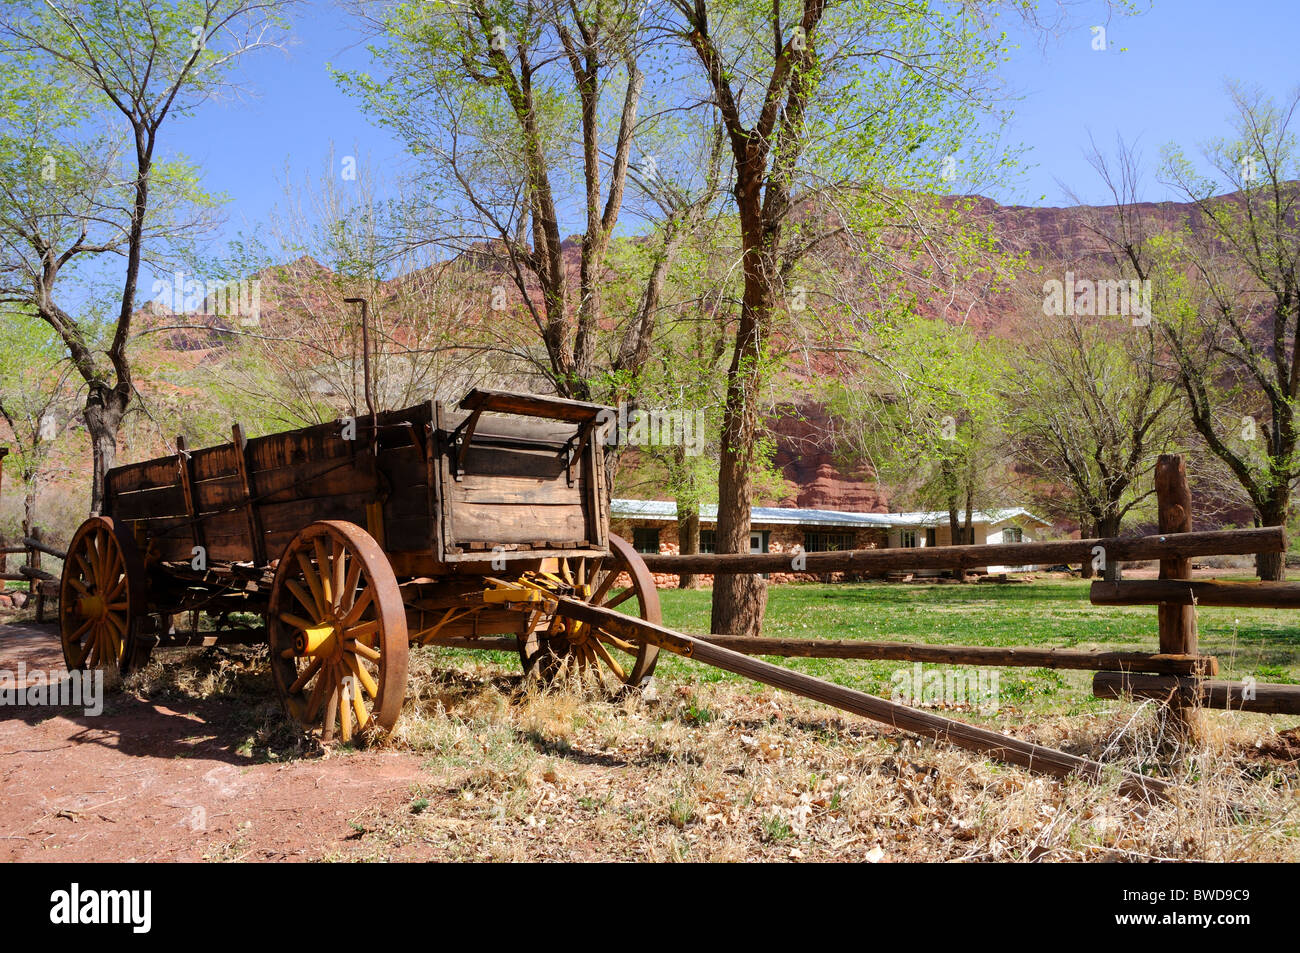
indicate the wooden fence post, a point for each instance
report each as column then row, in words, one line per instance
column 1177, row 622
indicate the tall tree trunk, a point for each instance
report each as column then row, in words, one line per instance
column 1108, row 528
column 738, row 600
column 1271, row 567
column 968, row 531
column 950, row 486
column 103, row 413
column 688, row 540
column 29, row 506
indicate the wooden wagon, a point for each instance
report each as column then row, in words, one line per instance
column 438, row 524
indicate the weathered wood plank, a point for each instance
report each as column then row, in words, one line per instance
column 490, row 462
column 1207, row 693
column 151, row 503
column 212, row 463
column 224, row 494
column 491, row 523
column 296, row 514
column 494, row 427
column 1084, row 659
column 531, row 405
column 1228, row 542
column 510, row 488
column 297, row 447
column 336, row 477
column 403, row 467
column 1205, row 592
column 148, row 474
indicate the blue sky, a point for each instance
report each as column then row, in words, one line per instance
column 1165, row 85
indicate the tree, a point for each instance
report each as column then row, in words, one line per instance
column 87, row 181
column 1226, row 289
column 35, row 401
column 1089, row 408
column 681, row 381
column 485, row 95
column 827, row 107
column 926, row 414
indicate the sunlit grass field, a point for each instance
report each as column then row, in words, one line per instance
column 1264, row 643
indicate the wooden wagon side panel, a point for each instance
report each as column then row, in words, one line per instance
column 316, row 474
column 404, row 479
column 514, row 490
column 219, row 504
column 302, row 476
column 148, row 497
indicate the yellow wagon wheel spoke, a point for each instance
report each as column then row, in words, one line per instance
column 306, row 675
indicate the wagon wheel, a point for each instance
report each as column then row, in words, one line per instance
column 337, row 630
column 556, row 643
column 101, row 597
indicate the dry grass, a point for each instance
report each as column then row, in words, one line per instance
column 719, row 772
column 709, row 769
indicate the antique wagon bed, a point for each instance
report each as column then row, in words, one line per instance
column 438, row 524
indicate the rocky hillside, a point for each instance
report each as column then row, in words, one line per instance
column 1052, row 240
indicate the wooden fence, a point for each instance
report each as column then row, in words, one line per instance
column 1177, row 673
column 42, row 584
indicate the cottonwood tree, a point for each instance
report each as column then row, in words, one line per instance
column 1226, row 289
column 36, row 402
column 684, row 375
column 520, row 116
column 832, row 106
column 87, row 184
column 927, row 414
column 1089, row 408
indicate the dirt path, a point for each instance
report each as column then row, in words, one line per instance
column 147, row 782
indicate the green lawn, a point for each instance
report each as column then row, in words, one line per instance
column 1264, row 643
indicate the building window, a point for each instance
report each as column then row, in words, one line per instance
column 1013, row 534
column 931, row 536
column 907, row 538
column 827, row 542
column 645, row 539
column 709, row 541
